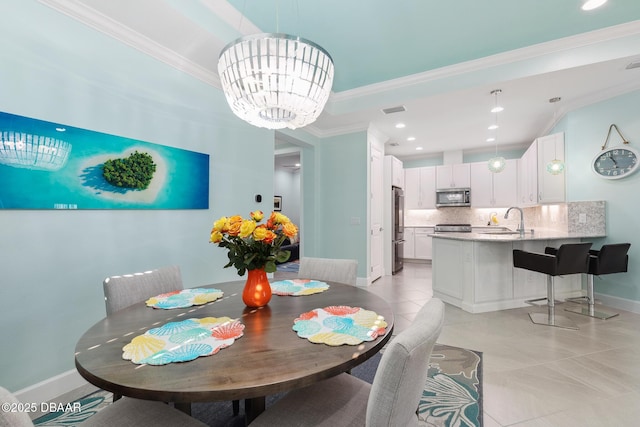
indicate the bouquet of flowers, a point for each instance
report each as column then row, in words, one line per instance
column 253, row 245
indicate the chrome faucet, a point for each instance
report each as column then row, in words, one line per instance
column 521, row 226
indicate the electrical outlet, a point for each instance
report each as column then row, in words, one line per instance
column 582, row 218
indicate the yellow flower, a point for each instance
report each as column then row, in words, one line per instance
column 216, row 237
column 222, row 224
column 247, row 227
column 257, row 216
column 281, row 219
column 289, row 229
column 260, row 233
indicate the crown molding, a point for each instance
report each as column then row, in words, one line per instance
column 526, row 53
column 89, row 16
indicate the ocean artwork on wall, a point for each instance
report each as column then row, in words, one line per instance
column 46, row 165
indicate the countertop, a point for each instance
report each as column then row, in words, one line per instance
column 499, row 234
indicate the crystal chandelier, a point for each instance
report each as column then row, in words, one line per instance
column 497, row 163
column 37, row 152
column 276, row 80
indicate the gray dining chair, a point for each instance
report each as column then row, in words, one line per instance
column 392, row 399
column 126, row 412
column 122, row 291
column 333, row 270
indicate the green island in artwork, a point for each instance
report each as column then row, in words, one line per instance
column 135, row 171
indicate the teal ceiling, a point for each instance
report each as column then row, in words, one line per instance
column 372, row 41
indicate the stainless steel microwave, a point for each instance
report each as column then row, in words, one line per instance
column 453, row 197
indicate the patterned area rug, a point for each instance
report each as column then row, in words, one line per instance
column 452, row 396
column 289, row 267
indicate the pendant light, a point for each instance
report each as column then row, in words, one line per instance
column 555, row 166
column 275, row 80
column 496, row 163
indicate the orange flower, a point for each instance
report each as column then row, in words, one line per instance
column 270, row 237
column 289, row 229
column 234, row 228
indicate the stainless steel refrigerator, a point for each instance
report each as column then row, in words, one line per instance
column 398, row 229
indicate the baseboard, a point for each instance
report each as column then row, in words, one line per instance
column 51, row 388
column 619, row 303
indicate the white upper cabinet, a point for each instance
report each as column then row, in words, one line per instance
column 490, row 189
column 420, row 188
column 394, row 166
column 528, row 177
column 537, row 185
column 453, row 176
column 551, row 188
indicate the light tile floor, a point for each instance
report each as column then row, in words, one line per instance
column 535, row 375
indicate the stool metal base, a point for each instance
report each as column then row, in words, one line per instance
column 551, row 319
column 589, row 309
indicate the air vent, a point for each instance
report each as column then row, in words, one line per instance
column 391, row 110
column 394, row 144
column 632, row 65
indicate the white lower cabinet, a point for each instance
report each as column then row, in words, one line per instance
column 417, row 242
column 423, row 243
column 409, row 245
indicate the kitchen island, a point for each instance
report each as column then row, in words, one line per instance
column 474, row 271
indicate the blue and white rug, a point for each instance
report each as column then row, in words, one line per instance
column 452, row 395
column 289, row 267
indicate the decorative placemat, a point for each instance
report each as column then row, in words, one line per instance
column 338, row 325
column 184, row 298
column 298, row 287
column 183, row 341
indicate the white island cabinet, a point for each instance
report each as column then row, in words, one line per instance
column 474, row 271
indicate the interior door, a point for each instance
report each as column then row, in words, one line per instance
column 376, row 212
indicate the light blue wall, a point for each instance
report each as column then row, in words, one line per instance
column 334, row 202
column 342, row 188
column 585, row 132
column 52, row 263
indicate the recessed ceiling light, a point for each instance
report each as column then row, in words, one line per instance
column 492, row 127
column 418, row 148
column 411, row 138
column 593, row 4
column 61, row 129
column 490, row 139
column 400, row 125
column 497, row 109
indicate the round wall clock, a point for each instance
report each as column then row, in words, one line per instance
column 615, row 162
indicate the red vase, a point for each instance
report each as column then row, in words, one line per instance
column 257, row 290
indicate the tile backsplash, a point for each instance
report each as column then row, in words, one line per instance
column 583, row 217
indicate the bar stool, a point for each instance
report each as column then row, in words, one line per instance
column 609, row 259
column 570, row 258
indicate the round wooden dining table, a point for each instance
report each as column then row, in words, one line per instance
column 269, row 358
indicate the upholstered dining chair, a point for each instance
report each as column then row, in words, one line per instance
column 122, row 291
column 334, row 270
column 125, row 412
column 392, row 399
